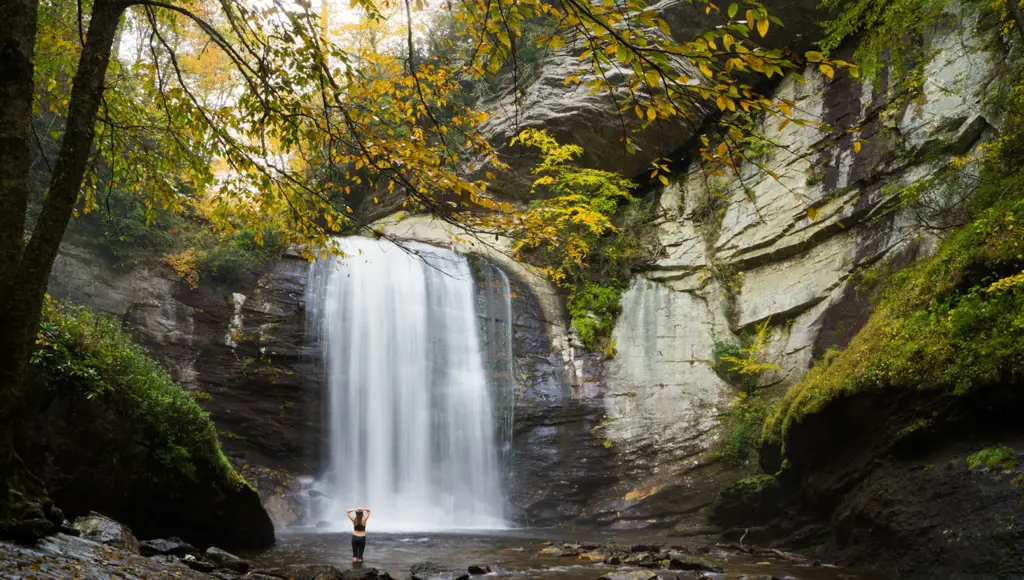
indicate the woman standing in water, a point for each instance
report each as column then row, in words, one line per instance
column 358, row 516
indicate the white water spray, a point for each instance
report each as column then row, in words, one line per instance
column 411, row 426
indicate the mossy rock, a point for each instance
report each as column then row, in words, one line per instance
column 114, row 434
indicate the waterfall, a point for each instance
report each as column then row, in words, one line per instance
column 410, row 417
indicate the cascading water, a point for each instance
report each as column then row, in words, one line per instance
column 411, row 426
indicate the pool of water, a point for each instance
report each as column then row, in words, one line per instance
column 518, row 553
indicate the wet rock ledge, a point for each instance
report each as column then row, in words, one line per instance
column 97, row 548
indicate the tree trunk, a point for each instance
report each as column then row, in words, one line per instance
column 17, row 46
column 1018, row 16
column 25, row 268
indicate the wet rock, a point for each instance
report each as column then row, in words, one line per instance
column 476, row 570
column 613, row 560
column 62, row 556
column 99, row 528
column 592, row 556
column 173, row 545
column 643, row 559
column 434, row 571
column 636, row 548
column 560, row 551
column 684, row 562
column 303, row 572
column 226, row 560
column 67, row 528
column 261, row 576
column 366, row 574
column 630, row 575
column 198, row 565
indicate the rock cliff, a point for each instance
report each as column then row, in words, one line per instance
column 627, row 440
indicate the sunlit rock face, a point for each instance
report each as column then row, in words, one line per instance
column 782, row 251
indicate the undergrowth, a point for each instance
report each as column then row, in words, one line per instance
column 136, row 235
column 741, row 429
column 79, row 351
column 586, row 232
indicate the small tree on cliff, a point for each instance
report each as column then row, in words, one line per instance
column 150, row 123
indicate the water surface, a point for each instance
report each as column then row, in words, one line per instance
column 516, row 553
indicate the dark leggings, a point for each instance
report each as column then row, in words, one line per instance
column 358, row 545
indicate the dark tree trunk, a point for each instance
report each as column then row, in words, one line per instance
column 1018, row 16
column 17, row 45
column 25, row 268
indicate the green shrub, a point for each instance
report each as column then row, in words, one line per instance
column 741, row 429
column 230, row 257
column 1002, row 458
column 742, row 364
column 593, row 310
column 136, row 235
column 132, row 233
column 80, row 351
column 722, row 350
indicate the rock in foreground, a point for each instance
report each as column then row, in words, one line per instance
column 104, row 530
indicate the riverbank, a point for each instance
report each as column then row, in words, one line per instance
column 110, row 551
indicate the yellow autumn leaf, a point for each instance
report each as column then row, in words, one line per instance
column 827, row 70
column 856, row 146
column 762, row 27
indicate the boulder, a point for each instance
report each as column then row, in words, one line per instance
column 198, row 565
column 477, row 570
column 630, row 575
column 320, row 572
column 434, row 571
column 684, row 562
column 226, row 560
column 643, row 559
column 94, row 455
column 104, row 530
column 173, row 546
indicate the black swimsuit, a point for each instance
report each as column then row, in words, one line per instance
column 359, row 542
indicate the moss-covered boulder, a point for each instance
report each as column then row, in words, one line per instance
column 112, row 433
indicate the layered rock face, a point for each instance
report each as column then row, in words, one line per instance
column 240, row 348
column 783, row 250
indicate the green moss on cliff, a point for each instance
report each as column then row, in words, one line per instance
column 942, row 325
column 1002, row 458
column 954, row 322
column 90, row 354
